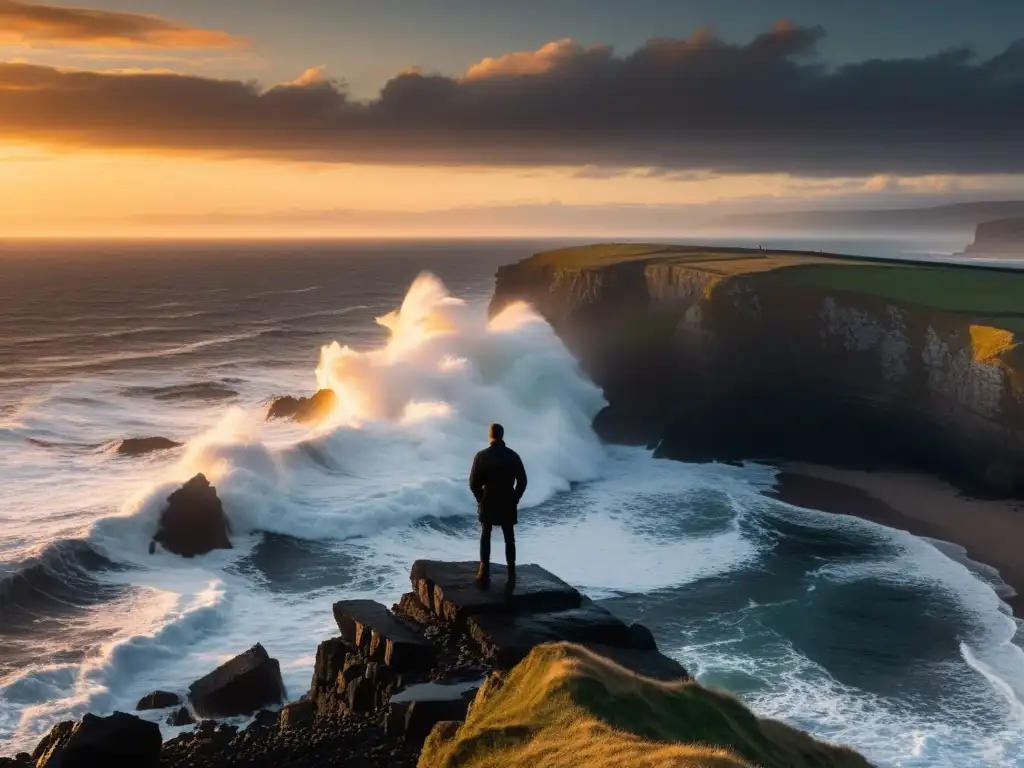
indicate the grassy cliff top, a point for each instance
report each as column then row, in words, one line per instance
column 987, row 294
column 565, row 707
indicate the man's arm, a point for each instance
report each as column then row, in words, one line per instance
column 476, row 482
column 520, row 479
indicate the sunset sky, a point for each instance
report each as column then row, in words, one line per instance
column 407, row 117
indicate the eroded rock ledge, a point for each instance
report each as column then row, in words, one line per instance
column 731, row 354
column 429, row 681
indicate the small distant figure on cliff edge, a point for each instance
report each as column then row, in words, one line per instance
column 497, row 480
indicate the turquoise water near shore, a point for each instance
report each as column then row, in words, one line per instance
column 860, row 634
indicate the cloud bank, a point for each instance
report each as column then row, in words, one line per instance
column 693, row 104
column 23, row 23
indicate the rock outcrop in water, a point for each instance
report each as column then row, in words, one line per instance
column 475, row 677
column 303, row 409
column 999, row 239
column 140, row 446
column 247, row 683
column 194, row 522
column 732, row 354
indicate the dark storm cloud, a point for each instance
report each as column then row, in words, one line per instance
column 32, row 23
column 693, row 104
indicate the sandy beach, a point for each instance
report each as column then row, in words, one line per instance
column 992, row 532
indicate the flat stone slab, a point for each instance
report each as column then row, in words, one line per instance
column 370, row 626
column 507, row 639
column 414, row 712
column 450, row 591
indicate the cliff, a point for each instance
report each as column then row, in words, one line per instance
column 734, row 354
column 1003, row 238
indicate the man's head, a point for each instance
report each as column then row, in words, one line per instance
column 497, row 432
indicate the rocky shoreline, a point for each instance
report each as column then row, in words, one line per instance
column 377, row 689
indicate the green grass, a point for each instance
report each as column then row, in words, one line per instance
column 565, row 707
column 998, row 296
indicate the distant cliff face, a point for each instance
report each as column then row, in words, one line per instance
column 1001, row 238
column 771, row 356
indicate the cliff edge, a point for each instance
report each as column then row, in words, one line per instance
column 1002, row 238
column 730, row 354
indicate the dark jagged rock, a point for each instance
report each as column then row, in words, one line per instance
column 139, row 446
column 508, row 639
column 450, row 591
column 99, row 742
column 58, row 735
column 20, row 760
column 180, row 717
column 331, row 656
column 158, row 700
column 194, row 522
column 642, row 638
column 250, row 681
column 303, row 409
column 373, row 628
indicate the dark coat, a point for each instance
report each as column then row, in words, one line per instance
column 497, row 480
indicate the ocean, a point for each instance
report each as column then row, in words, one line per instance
column 895, row 645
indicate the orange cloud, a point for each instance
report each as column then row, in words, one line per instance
column 28, row 24
column 525, row 62
column 311, row 76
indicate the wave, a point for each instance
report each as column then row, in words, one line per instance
column 199, row 390
column 408, row 419
column 61, row 579
column 66, row 363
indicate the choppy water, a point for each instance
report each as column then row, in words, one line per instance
column 858, row 633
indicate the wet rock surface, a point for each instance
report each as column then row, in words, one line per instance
column 247, row 683
column 194, row 522
column 303, row 409
column 158, row 700
column 391, row 676
column 140, row 446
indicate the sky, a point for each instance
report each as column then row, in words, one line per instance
column 243, row 118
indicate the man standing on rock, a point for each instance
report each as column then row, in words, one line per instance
column 497, row 480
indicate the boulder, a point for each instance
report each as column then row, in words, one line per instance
column 194, row 522
column 303, row 409
column 158, row 700
column 247, row 683
column 139, row 446
column 297, row 714
column 414, row 712
column 373, row 629
column 450, row 591
column 20, row 760
column 508, row 638
column 642, row 638
column 180, row 717
column 99, row 742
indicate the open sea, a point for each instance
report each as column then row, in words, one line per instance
column 860, row 634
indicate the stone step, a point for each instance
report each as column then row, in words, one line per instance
column 372, row 628
column 507, row 639
column 450, row 591
column 414, row 712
